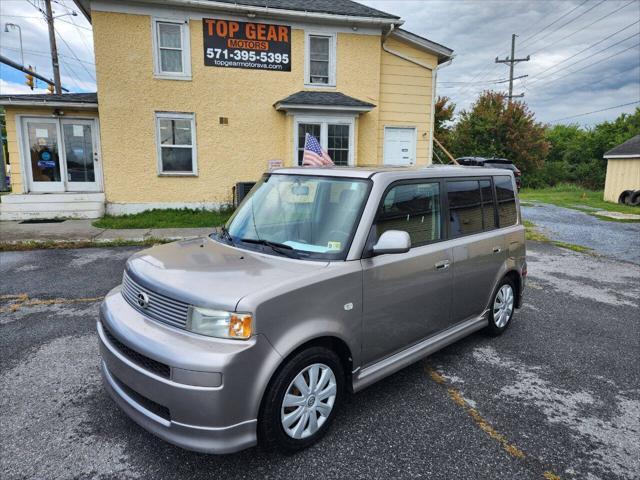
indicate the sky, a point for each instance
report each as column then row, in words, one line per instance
column 585, row 54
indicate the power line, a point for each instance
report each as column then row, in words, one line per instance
column 572, row 20
column 555, row 42
column 526, row 39
column 591, row 64
column 43, row 54
column 75, row 56
column 584, row 50
column 595, row 111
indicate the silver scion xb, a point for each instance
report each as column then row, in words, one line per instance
column 324, row 281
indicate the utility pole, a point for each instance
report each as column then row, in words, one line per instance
column 54, row 49
column 512, row 62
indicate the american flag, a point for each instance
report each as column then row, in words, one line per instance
column 314, row 155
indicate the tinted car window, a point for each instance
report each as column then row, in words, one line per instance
column 488, row 213
column 413, row 208
column 465, row 207
column 507, row 212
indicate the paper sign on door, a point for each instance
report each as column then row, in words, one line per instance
column 78, row 131
column 42, row 133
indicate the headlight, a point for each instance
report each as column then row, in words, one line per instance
column 218, row 323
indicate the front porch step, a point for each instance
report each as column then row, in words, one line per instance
column 51, row 205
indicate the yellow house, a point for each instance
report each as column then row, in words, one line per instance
column 622, row 183
column 195, row 96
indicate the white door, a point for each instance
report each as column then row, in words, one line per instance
column 399, row 146
column 42, row 154
column 81, row 159
column 61, row 155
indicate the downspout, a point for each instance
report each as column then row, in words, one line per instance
column 434, row 81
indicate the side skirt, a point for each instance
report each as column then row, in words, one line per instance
column 371, row 374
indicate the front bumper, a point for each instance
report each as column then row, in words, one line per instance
column 207, row 394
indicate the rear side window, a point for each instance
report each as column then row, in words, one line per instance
column 465, row 207
column 413, row 208
column 507, row 212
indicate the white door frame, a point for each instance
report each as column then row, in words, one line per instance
column 22, row 139
column 413, row 143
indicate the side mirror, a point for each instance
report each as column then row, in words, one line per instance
column 392, row 241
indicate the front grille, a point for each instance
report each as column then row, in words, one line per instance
column 159, row 307
column 146, row 403
column 141, row 360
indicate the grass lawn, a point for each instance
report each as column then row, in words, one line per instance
column 572, row 196
column 170, row 218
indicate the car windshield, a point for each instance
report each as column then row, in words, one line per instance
column 299, row 216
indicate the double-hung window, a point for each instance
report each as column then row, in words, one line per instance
column 171, row 49
column 176, row 143
column 320, row 61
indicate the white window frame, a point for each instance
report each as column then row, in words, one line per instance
column 186, row 49
column 332, row 58
column 324, row 121
column 194, row 150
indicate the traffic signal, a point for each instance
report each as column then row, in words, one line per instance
column 50, row 88
column 29, row 79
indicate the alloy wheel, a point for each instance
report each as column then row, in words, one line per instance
column 503, row 305
column 308, row 401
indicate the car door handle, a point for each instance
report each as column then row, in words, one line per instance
column 497, row 249
column 443, row 265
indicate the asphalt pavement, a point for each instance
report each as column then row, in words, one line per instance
column 609, row 238
column 557, row 396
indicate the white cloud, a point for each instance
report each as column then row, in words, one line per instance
column 10, row 88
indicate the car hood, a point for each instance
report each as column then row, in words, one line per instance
column 208, row 273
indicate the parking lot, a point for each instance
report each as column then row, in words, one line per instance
column 557, row 396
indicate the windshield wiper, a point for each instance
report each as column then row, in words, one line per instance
column 281, row 248
column 224, row 233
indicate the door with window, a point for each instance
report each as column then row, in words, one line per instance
column 407, row 297
column 399, row 146
column 334, row 134
column 61, row 155
column 478, row 244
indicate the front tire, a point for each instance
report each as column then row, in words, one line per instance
column 502, row 307
column 301, row 400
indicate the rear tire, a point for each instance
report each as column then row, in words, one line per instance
column 301, row 401
column 502, row 307
column 625, row 197
column 635, row 198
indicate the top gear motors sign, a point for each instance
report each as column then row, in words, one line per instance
column 246, row 45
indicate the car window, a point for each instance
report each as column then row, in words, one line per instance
column 507, row 212
column 489, row 221
column 413, row 208
column 465, row 207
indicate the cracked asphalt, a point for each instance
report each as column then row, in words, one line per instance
column 557, row 396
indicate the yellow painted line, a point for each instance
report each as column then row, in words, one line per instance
column 22, row 300
column 484, row 424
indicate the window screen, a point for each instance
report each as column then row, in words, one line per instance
column 170, row 47
column 176, row 144
column 303, row 129
column 319, row 59
column 507, row 212
column 465, row 207
column 413, row 208
column 338, row 144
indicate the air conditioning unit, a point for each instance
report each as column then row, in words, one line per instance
column 242, row 189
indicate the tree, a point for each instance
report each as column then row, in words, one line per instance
column 495, row 128
column 442, row 123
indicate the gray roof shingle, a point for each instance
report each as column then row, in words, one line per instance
column 49, row 98
column 336, row 7
column 325, row 99
column 630, row 147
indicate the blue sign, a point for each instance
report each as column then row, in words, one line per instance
column 46, row 156
column 46, row 163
